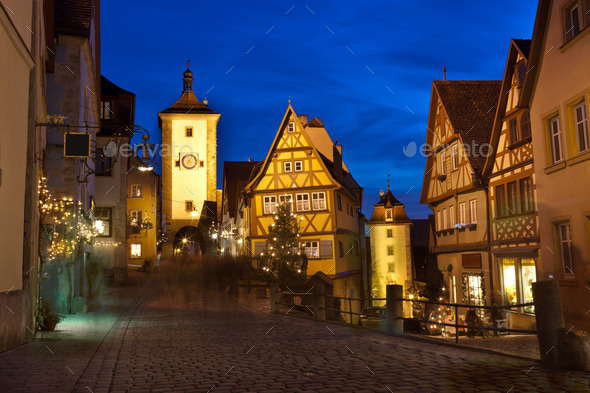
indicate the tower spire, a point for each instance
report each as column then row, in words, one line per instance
column 388, row 180
column 188, row 78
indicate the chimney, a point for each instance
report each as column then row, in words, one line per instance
column 302, row 119
column 337, row 159
column 444, row 73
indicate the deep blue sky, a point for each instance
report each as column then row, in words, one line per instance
column 336, row 60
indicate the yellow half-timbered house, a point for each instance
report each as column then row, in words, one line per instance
column 457, row 139
column 510, row 174
column 304, row 167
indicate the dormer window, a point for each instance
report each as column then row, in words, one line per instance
column 388, row 214
column 291, row 126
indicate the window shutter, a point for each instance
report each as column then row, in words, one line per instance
column 326, row 249
column 259, row 247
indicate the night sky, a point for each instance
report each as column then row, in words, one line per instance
column 365, row 68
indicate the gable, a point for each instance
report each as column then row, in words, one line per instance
column 292, row 144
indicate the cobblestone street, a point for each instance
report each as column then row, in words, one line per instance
column 208, row 342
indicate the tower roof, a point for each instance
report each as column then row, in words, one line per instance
column 188, row 102
column 389, row 210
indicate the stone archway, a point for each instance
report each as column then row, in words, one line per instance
column 188, row 241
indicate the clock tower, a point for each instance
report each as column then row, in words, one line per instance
column 189, row 171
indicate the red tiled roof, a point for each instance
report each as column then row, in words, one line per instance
column 471, row 108
column 72, row 17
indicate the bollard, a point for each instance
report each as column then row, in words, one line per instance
column 395, row 309
column 274, row 297
column 319, row 302
column 549, row 316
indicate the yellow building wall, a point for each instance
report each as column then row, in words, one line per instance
column 14, row 78
column 148, row 205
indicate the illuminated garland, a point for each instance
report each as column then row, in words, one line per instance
column 64, row 223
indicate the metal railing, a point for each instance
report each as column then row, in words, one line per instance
column 456, row 306
column 458, row 326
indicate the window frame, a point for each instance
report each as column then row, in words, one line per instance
column 562, row 251
column 513, row 131
column 569, row 25
column 107, row 219
column 188, row 131
column 455, row 156
column 389, row 232
column 133, row 194
column 287, row 166
column 525, row 124
column 108, row 114
column 319, row 200
column 189, row 205
column 443, row 162
column 271, row 204
column 463, row 213
column 452, row 220
column 512, row 197
column 302, row 201
column 526, row 195
column 131, row 254
column 444, row 217
column 584, row 123
column 291, row 127
column 311, row 248
column 300, row 166
column 552, row 138
column 472, row 210
column 390, row 250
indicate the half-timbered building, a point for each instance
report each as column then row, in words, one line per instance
column 510, row 175
column 459, row 126
column 304, row 167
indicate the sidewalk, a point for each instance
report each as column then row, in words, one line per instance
column 55, row 360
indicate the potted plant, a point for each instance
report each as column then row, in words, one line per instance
column 48, row 318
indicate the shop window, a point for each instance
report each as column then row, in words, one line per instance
column 103, row 221
column 135, row 250
column 474, row 290
column 518, row 276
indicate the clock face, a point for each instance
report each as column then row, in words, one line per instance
column 189, row 161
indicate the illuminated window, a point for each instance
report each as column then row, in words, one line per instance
column 312, row 249
column 318, row 200
column 136, row 191
column 103, row 220
column 135, row 250
column 270, row 204
column 518, row 276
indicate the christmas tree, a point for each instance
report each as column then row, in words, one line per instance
column 284, row 259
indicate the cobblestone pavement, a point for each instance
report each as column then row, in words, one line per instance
column 525, row 345
column 208, row 342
